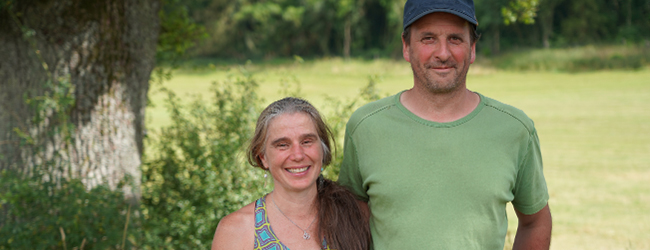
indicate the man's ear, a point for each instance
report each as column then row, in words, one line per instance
column 473, row 53
column 405, row 50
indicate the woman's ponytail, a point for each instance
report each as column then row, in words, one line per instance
column 343, row 221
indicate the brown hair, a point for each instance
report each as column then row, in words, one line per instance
column 342, row 221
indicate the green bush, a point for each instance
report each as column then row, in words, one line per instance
column 337, row 118
column 197, row 173
column 38, row 214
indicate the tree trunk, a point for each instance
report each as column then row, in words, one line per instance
column 546, row 12
column 347, row 38
column 628, row 18
column 106, row 50
column 546, row 22
column 496, row 43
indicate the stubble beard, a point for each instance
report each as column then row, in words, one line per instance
column 432, row 80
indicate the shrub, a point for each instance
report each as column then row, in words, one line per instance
column 197, row 173
column 40, row 214
column 337, row 118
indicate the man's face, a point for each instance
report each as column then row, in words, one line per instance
column 440, row 52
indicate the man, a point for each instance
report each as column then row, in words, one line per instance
column 437, row 163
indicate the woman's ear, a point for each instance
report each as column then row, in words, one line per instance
column 264, row 163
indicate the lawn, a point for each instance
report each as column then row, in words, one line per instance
column 594, row 129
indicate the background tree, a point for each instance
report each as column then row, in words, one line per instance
column 101, row 53
column 546, row 12
column 254, row 29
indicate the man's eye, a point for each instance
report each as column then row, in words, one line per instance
column 428, row 40
column 307, row 142
column 282, row 145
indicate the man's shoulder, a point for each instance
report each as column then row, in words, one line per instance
column 516, row 114
column 370, row 109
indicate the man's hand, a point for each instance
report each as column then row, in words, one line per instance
column 534, row 230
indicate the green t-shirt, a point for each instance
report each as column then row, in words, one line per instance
column 442, row 185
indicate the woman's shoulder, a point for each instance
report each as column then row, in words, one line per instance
column 236, row 230
column 244, row 214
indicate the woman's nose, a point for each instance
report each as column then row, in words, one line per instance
column 297, row 153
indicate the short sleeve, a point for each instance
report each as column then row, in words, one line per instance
column 531, row 193
column 350, row 175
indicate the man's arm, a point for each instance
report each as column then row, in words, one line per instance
column 534, row 230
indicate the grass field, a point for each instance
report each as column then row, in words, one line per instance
column 594, row 129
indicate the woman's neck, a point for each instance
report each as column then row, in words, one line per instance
column 298, row 204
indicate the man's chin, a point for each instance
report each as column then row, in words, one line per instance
column 442, row 88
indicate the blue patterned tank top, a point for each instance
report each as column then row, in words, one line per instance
column 265, row 238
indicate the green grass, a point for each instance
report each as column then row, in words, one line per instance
column 576, row 59
column 316, row 80
column 596, row 146
column 594, row 129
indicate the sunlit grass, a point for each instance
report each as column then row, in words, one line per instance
column 593, row 128
column 576, row 59
column 316, row 79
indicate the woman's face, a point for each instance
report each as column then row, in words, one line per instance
column 293, row 152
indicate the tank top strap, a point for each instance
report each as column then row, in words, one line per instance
column 265, row 238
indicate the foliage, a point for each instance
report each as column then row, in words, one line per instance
column 264, row 29
column 51, row 111
column 338, row 118
column 520, row 11
column 197, row 173
column 178, row 34
column 62, row 214
column 254, row 29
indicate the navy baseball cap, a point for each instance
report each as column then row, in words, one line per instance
column 415, row 9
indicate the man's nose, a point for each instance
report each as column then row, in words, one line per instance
column 441, row 51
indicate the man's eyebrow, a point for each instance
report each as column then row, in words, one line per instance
column 456, row 35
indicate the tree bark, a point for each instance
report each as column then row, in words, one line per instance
column 106, row 50
column 347, row 38
column 546, row 23
column 496, row 41
column 546, row 13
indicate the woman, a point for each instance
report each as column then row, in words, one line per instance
column 304, row 211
